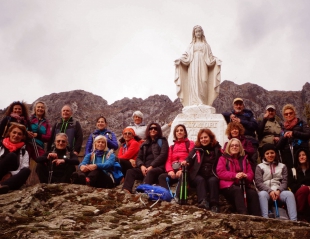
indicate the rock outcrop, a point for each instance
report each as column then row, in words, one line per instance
column 76, row 211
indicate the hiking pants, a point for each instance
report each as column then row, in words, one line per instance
column 285, row 197
column 9, row 162
column 302, row 198
column 17, row 180
column 235, row 196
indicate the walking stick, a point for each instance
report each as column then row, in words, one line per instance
column 277, row 210
column 244, row 192
column 50, row 172
column 183, row 193
column 293, row 168
column 168, row 180
column 35, row 147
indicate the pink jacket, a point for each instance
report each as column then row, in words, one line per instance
column 228, row 167
column 179, row 153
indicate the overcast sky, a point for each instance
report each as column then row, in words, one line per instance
column 127, row 48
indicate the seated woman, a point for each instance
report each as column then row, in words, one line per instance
column 129, row 149
column 236, row 130
column 151, row 158
column 97, row 168
column 16, row 112
column 176, row 155
column 57, row 165
column 271, row 182
column 14, row 159
column 300, row 185
column 202, row 162
column 295, row 134
column 39, row 131
column 236, row 176
column 101, row 130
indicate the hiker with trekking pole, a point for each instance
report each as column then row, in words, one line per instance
column 201, row 165
column 177, row 154
column 57, row 165
column 236, row 176
column 295, row 134
column 271, row 179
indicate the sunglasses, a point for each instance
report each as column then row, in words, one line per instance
column 127, row 133
column 153, row 128
column 270, row 110
column 61, row 141
column 288, row 113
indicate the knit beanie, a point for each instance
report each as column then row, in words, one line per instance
column 267, row 147
column 137, row 113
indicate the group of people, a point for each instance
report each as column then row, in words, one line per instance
column 262, row 161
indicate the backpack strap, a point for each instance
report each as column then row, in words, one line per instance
column 160, row 142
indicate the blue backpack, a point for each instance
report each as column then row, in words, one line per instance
column 154, row 193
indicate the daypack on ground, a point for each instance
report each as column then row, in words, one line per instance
column 154, row 192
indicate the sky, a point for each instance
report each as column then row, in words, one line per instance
column 123, row 48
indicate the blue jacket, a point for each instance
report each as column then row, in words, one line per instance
column 103, row 163
column 111, row 138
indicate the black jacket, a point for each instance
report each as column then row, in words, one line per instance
column 195, row 163
column 153, row 153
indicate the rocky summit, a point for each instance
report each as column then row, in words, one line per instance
column 76, row 211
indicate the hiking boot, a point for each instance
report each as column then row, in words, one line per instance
column 4, row 189
column 82, row 179
column 75, row 178
column 204, row 204
column 215, row 209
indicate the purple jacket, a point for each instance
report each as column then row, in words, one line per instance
column 228, row 167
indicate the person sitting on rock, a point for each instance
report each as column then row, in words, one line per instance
column 236, row 130
column 178, row 153
column 97, row 168
column 151, row 158
column 269, row 128
column 271, row 179
column 300, row 184
column 202, row 161
column 70, row 127
column 128, row 152
column 14, row 159
column 101, row 124
column 236, row 175
column 57, row 165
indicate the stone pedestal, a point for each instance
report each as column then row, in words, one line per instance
column 196, row 117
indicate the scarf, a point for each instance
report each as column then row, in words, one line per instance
column 10, row 146
column 290, row 124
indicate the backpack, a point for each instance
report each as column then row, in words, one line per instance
column 155, row 193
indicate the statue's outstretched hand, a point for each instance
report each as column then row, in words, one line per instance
column 177, row 62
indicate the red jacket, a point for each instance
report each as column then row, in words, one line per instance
column 178, row 152
column 129, row 151
column 228, row 167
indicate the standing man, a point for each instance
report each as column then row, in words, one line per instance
column 71, row 128
column 269, row 128
column 246, row 118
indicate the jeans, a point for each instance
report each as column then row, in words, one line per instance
column 285, row 196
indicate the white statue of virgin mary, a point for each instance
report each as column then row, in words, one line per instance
column 198, row 72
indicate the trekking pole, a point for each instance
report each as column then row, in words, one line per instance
column 277, row 210
column 244, row 192
column 185, row 179
column 35, row 147
column 50, row 172
column 292, row 153
column 182, row 193
column 168, row 181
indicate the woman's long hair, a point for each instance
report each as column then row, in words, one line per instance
column 175, row 131
column 227, row 149
column 24, row 109
column 158, row 128
column 211, row 135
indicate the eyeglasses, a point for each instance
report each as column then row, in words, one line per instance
column 127, row 133
column 153, row 128
column 234, row 145
column 61, row 141
column 288, row 113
